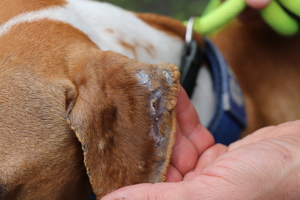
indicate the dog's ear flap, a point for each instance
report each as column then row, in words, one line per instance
column 124, row 118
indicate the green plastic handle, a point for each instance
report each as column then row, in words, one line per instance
column 218, row 14
column 292, row 5
column 279, row 20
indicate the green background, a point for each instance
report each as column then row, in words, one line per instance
column 179, row 9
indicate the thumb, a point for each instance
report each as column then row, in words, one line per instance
column 147, row 191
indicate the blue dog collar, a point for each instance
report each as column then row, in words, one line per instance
column 229, row 118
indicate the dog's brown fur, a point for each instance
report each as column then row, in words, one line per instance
column 40, row 155
column 53, row 91
column 36, row 141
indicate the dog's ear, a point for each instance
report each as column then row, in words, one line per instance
column 123, row 115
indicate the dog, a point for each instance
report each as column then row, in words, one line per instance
column 84, row 105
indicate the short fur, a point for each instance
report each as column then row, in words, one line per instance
column 74, row 117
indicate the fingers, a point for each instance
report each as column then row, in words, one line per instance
column 191, row 137
column 258, row 4
column 186, row 113
column 173, row 175
column 184, row 156
column 207, row 158
column 190, row 125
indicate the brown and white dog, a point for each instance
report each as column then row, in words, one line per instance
column 77, row 111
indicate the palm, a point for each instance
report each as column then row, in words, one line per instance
column 264, row 165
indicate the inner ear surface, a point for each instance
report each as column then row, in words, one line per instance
column 125, row 121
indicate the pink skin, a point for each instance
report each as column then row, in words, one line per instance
column 258, row 4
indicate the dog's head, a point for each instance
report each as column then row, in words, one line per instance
column 58, row 88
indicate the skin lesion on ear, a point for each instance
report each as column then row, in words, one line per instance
column 125, row 120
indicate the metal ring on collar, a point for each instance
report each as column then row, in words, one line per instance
column 189, row 31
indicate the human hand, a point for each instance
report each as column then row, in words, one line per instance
column 263, row 165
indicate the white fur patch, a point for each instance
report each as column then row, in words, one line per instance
column 108, row 27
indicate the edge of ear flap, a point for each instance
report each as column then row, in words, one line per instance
column 124, row 118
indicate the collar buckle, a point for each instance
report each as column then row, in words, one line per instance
column 191, row 60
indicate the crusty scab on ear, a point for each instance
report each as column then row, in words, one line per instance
column 144, row 79
column 156, row 101
column 124, row 117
